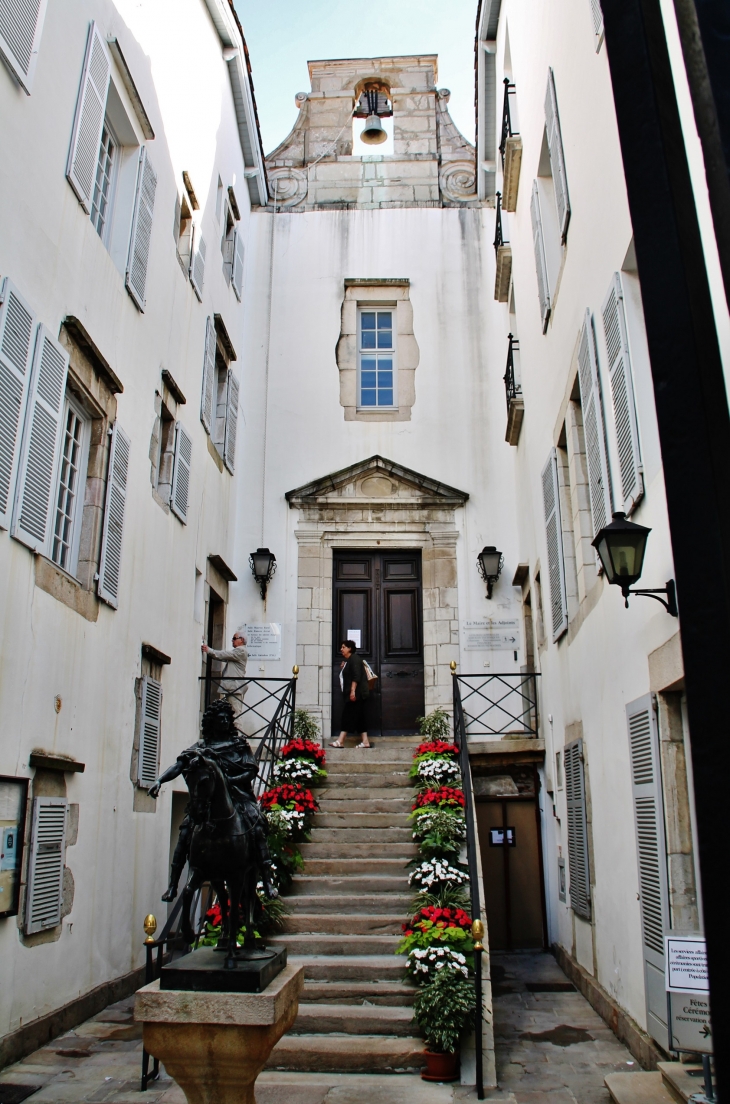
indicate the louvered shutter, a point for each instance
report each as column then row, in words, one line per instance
column 116, row 496
column 44, row 894
column 652, row 856
column 237, row 269
column 17, row 326
column 91, row 105
column 176, row 223
column 597, row 13
column 206, row 396
column 543, row 287
column 557, row 156
column 229, row 444
column 139, row 242
column 197, row 264
column 575, row 797
column 554, row 536
column 149, row 736
column 622, row 392
column 593, row 424
column 181, row 473
column 21, row 25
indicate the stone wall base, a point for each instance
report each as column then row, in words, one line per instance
column 645, row 1050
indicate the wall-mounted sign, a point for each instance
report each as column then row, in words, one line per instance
column 13, row 800
column 264, row 641
column 495, row 634
column 496, row 837
column 690, row 1022
column 686, row 964
column 355, row 636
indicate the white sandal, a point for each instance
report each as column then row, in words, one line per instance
column 368, row 746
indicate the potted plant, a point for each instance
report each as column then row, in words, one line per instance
column 444, row 1009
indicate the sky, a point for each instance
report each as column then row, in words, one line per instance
column 283, row 35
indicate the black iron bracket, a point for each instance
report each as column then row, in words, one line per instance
column 670, row 590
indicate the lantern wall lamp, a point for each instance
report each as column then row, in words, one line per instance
column 489, row 565
column 263, row 566
column 621, row 547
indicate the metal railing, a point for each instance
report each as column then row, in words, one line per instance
column 499, row 238
column 507, row 130
column 499, row 705
column 512, row 388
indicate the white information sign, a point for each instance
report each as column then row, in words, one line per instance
column 690, row 1022
column 496, row 634
column 354, row 636
column 264, row 641
column 686, row 964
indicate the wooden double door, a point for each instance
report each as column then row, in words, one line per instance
column 377, row 601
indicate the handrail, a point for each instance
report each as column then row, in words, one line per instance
column 499, row 238
column 507, row 131
column 500, row 704
column 512, row 388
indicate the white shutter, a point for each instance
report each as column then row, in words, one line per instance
column 149, row 736
column 554, row 536
column 197, row 264
column 116, row 496
column 181, row 473
column 597, row 13
column 21, row 25
column 206, row 397
column 237, row 268
column 543, row 286
column 33, row 515
column 557, row 157
column 229, row 444
column 652, row 856
column 139, row 242
column 622, row 392
column 44, row 894
column 17, row 325
column 593, row 424
column 575, row 797
column 89, row 120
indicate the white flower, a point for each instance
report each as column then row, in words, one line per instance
column 296, row 770
column 434, row 958
column 443, row 772
column 437, row 872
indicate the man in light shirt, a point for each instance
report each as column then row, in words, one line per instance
column 232, row 685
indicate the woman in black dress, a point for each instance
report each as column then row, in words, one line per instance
column 355, row 689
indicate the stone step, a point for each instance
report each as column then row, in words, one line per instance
column 335, row 885
column 350, row 904
column 317, row 850
column 307, row 943
column 638, row 1088
column 344, row 923
column 349, row 967
column 353, row 1019
column 395, row 806
column 369, row 788
column 387, row 993
column 681, row 1080
column 356, row 780
column 359, row 867
column 360, row 835
column 384, row 767
column 345, row 1054
column 357, row 818
column 391, row 753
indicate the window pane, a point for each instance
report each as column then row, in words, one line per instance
column 368, row 398
column 385, row 397
column 103, row 182
column 367, row 379
column 385, row 364
column 368, row 320
column 385, row 320
column 385, row 379
column 368, row 339
column 68, row 487
column 385, row 339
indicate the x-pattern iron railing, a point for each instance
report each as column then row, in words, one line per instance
column 498, row 705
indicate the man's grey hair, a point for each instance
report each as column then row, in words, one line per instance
column 241, row 631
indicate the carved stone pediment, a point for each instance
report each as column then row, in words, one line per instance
column 377, row 481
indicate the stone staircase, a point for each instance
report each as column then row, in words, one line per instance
column 670, row 1083
column 345, row 916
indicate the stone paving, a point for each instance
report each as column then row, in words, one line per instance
column 552, row 1048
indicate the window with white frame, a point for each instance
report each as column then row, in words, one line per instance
column 376, row 359
column 71, row 481
column 103, row 196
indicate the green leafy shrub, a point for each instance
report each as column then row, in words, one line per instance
column 435, row 726
column 444, row 1009
column 445, row 896
column 305, row 726
column 439, row 831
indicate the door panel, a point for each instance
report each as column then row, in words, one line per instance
column 354, row 613
column 401, row 622
column 511, row 871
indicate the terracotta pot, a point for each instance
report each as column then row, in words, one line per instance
column 441, row 1067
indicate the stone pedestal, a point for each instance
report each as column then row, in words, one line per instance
column 216, row 1044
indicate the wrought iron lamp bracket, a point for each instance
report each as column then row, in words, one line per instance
column 670, row 590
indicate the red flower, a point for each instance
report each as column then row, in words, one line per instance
column 446, row 795
column 442, row 918
column 290, row 797
column 436, row 747
column 299, row 748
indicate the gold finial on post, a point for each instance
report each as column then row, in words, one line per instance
column 150, row 927
column 295, row 670
column 477, row 934
column 452, row 665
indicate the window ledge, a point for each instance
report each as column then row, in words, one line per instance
column 213, row 450
column 64, row 588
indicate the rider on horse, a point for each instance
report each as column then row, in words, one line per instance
column 233, row 754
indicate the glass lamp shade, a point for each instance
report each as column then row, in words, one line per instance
column 621, row 547
column 490, row 562
column 262, row 561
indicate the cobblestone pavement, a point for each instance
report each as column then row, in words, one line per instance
column 549, row 1043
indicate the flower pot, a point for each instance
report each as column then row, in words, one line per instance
column 441, row 1067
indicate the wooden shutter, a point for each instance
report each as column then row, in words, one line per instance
column 33, row 514
column 21, row 25
column 17, row 326
column 149, row 736
column 206, row 396
column 597, row 13
column 44, row 895
column 181, row 473
column 652, row 856
column 622, row 392
column 83, row 155
column 116, row 496
column 575, row 796
column 543, row 287
column 554, row 536
column 599, row 483
column 197, row 264
column 139, row 242
column 229, row 443
column 557, row 157
column 237, row 268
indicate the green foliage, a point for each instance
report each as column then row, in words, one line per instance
column 435, row 726
column 444, row 1009
column 305, row 726
column 427, row 934
column 439, row 831
column 449, row 896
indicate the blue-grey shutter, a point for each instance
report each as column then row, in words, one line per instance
column 575, row 797
column 652, row 856
column 141, row 236
column 149, row 736
column 206, row 394
column 237, row 267
column 538, row 239
column 37, row 471
column 17, row 329
column 597, row 14
column 21, row 25
column 197, row 263
column 599, row 483
column 622, row 392
column 229, row 443
column 116, row 497
column 180, row 492
column 44, row 894
column 557, row 156
column 83, row 155
column 554, row 539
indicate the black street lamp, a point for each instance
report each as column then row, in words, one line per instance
column 263, row 566
column 489, row 565
column 621, row 547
